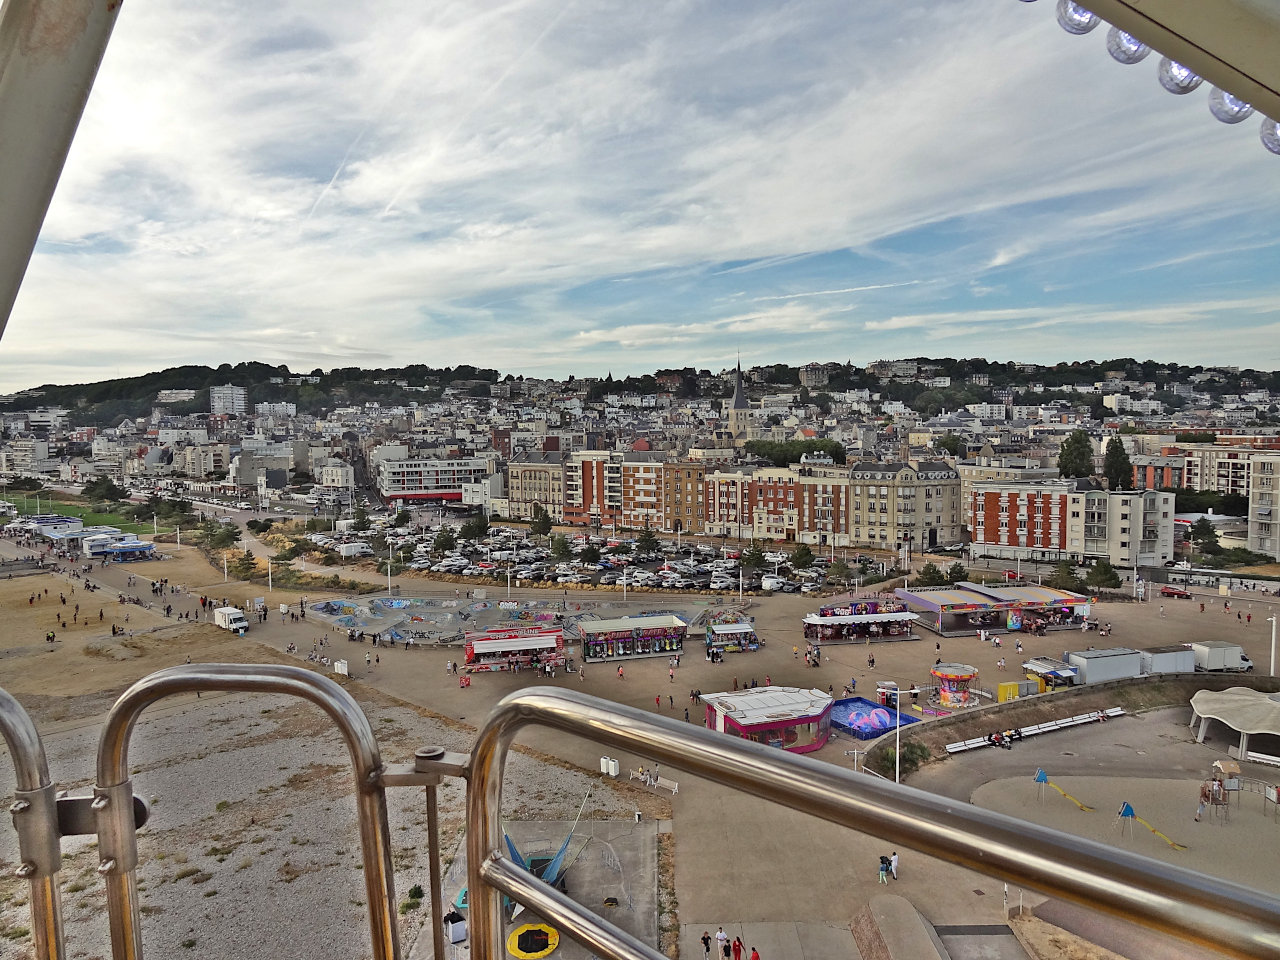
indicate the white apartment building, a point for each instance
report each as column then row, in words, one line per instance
column 1219, row 468
column 1264, row 505
column 228, row 399
column 895, row 505
column 409, row 480
column 280, row 409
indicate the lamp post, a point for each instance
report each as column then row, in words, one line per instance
column 897, row 732
column 1273, row 619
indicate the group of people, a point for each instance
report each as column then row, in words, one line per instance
column 728, row 949
column 889, row 867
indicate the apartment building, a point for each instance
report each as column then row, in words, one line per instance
column 1154, row 472
column 1264, row 502
column 1224, row 469
column 593, row 488
column 682, row 495
column 203, row 459
column 429, row 479
column 1073, row 520
column 774, row 496
column 822, row 505
column 228, row 399
column 726, row 495
column 892, row 505
column 536, row 478
column 988, row 469
column 642, row 501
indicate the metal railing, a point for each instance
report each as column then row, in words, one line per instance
column 1202, row 910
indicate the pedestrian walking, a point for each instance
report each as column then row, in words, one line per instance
column 706, row 944
column 722, row 939
column 368, row 660
column 1162, row 611
column 893, row 864
column 620, row 676
column 755, row 954
column 657, row 702
column 884, row 869
column 671, row 675
column 737, row 948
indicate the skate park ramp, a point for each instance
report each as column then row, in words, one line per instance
column 891, row 928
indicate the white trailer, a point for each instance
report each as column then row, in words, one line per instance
column 1220, row 656
column 230, row 618
column 1172, row 658
column 1097, row 666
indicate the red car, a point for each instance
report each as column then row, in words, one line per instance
column 1175, row 592
column 1012, row 575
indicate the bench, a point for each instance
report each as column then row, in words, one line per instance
column 1093, row 717
column 666, row 784
column 637, row 775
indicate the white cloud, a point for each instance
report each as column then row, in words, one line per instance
column 332, row 182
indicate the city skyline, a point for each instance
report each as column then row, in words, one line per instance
column 547, row 189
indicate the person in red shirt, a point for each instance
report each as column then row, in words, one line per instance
column 737, row 948
column 755, row 954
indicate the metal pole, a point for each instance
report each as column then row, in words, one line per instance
column 35, row 817
column 49, row 55
column 433, row 854
column 1197, row 908
column 897, row 735
column 118, row 844
column 1273, row 620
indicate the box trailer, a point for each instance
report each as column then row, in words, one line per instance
column 230, row 618
column 1171, row 658
column 1220, row 656
column 1098, row 666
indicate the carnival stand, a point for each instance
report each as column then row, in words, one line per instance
column 661, row 635
column 858, row 621
column 731, row 638
column 786, row 717
column 514, row 649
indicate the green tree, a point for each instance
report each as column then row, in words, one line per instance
column 956, row 573
column 752, row 558
column 104, row 488
column 801, row 557
column 477, row 528
column 541, row 523
column 560, row 549
column 950, row 443
column 929, row 576
column 1194, row 437
column 403, row 519
column 244, row 566
column 1075, row 458
column 590, row 554
column 445, row 540
column 1102, row 574
column 1205, row 536
column 1116, row 466
column 1064, row 577
column 362, row 521
column 621, row 550
column 647, row 541
column 839, row 571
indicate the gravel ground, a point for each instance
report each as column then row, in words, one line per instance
column 253, row 823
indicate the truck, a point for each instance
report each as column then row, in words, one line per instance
column 231, row 618
column 351, row 551
column 1220, row 656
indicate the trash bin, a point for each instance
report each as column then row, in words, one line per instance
column 637, row 816
column 604, row 765
column 883, row 696
column 455, row 927
column 614, row 766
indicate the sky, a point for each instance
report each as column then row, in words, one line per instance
column 614, row 187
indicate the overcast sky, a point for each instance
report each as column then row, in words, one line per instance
column 557, row 187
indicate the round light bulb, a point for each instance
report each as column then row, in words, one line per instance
column 1074, row 18
column 1228, row 108
column 1270, row 134
column 1125, row 48
column 1176, row 78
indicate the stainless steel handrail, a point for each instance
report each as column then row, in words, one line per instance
column 49, row 55
column 1213, row 913
column 35, row 817
column 117, row 843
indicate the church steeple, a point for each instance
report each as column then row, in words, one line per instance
column 739, row 401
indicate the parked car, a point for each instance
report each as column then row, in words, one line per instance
column 1176, row 592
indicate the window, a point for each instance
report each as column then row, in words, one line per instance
column 1124, row 544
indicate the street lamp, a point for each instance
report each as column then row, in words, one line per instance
column 1273, row 643
column 897, row 731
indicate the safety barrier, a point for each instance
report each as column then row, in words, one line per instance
column 1198, row 909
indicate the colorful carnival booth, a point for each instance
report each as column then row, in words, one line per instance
column 964, row 608
column 731, row 638
column 787, row 717
column 859, row 620
column 655, row 636
column 503, row 648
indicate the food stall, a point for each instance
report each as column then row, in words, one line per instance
column 660, row 635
